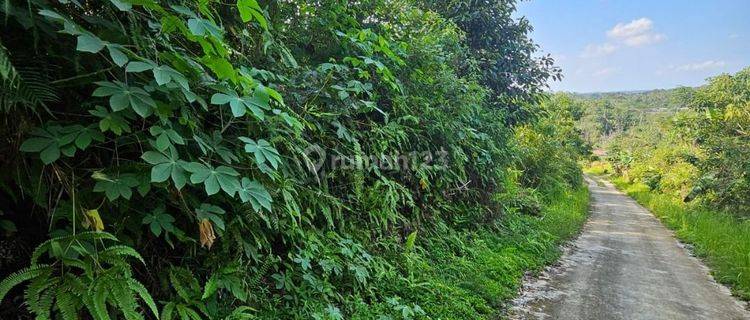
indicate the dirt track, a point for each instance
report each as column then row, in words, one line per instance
column 625, row 265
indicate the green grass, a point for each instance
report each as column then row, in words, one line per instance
column 722, row 240
column 598, row 168
column 472, row 275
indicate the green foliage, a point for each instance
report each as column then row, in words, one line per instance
column 85, row 275
column 697, row 153
column 194, row 121
column 722, row 136
column 23, row 85
column 603, row 116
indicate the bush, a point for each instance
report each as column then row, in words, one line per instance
column 220, row 146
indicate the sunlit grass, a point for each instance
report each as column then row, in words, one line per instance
column 468, row 276
column 598, row 168
column 721, row 239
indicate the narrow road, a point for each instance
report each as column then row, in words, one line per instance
column 625, row 265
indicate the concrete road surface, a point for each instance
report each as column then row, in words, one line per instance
column 625, row 265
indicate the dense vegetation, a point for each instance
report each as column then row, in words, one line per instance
column 690, row 167
column 206, row 159
column 606, row 115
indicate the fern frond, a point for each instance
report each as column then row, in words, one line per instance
column 123, row 298
column 88, row 235
column 166, row 313
column 78, row 263
column 88, row 301
column 187, row 314
column 29, row 89
column 182, row 311
column 176, row 275
column 7, row 70
column 20, row 276
column 139, row 289
column 210, row 287
column 254, row 282
column 121, row 251
column 73, row 284
column 240, row 313
column 44, row 305
column 39, row 295
column 66, row 303
column 99, row 299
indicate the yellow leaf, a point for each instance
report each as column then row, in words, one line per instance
column 93, row 220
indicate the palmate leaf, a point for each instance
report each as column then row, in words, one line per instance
column 86, row 135
column 110, row 121
column 167, row 311
column 211, row 212
column 204, row 28
column 122, row 96
column 255, row 193
column 240, row 105
column 159, row 221
column 122, row 5
column 89, row 43
column 213, row 143
column 118, row 57
column 263, row 151
column 187, row 313
column 165, row 74
column 166, row 164
column 117, row 187
column 162, row 74
column 165, row 137
column 140, row 66
column 53, row 141
column 221, row 67
column 214, row 179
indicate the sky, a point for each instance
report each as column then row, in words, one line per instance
column 621, row 45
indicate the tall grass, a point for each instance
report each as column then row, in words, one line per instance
column 721, row 239
column 472, row 275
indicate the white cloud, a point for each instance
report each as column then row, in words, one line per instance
column 644, row 39
column 734, row 36
column 598, row 50
column 636, row 33
column 703, row 65
column 633, row 28
column 603, row 72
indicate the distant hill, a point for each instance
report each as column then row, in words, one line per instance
column 603, row 115
column 659, row 100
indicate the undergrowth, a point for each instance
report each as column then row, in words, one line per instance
column 721, row 239
column 377, row 159
column 471, row 275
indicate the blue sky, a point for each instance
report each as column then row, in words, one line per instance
column 608, row 45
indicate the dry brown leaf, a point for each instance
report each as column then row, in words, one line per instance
column 207, row 233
